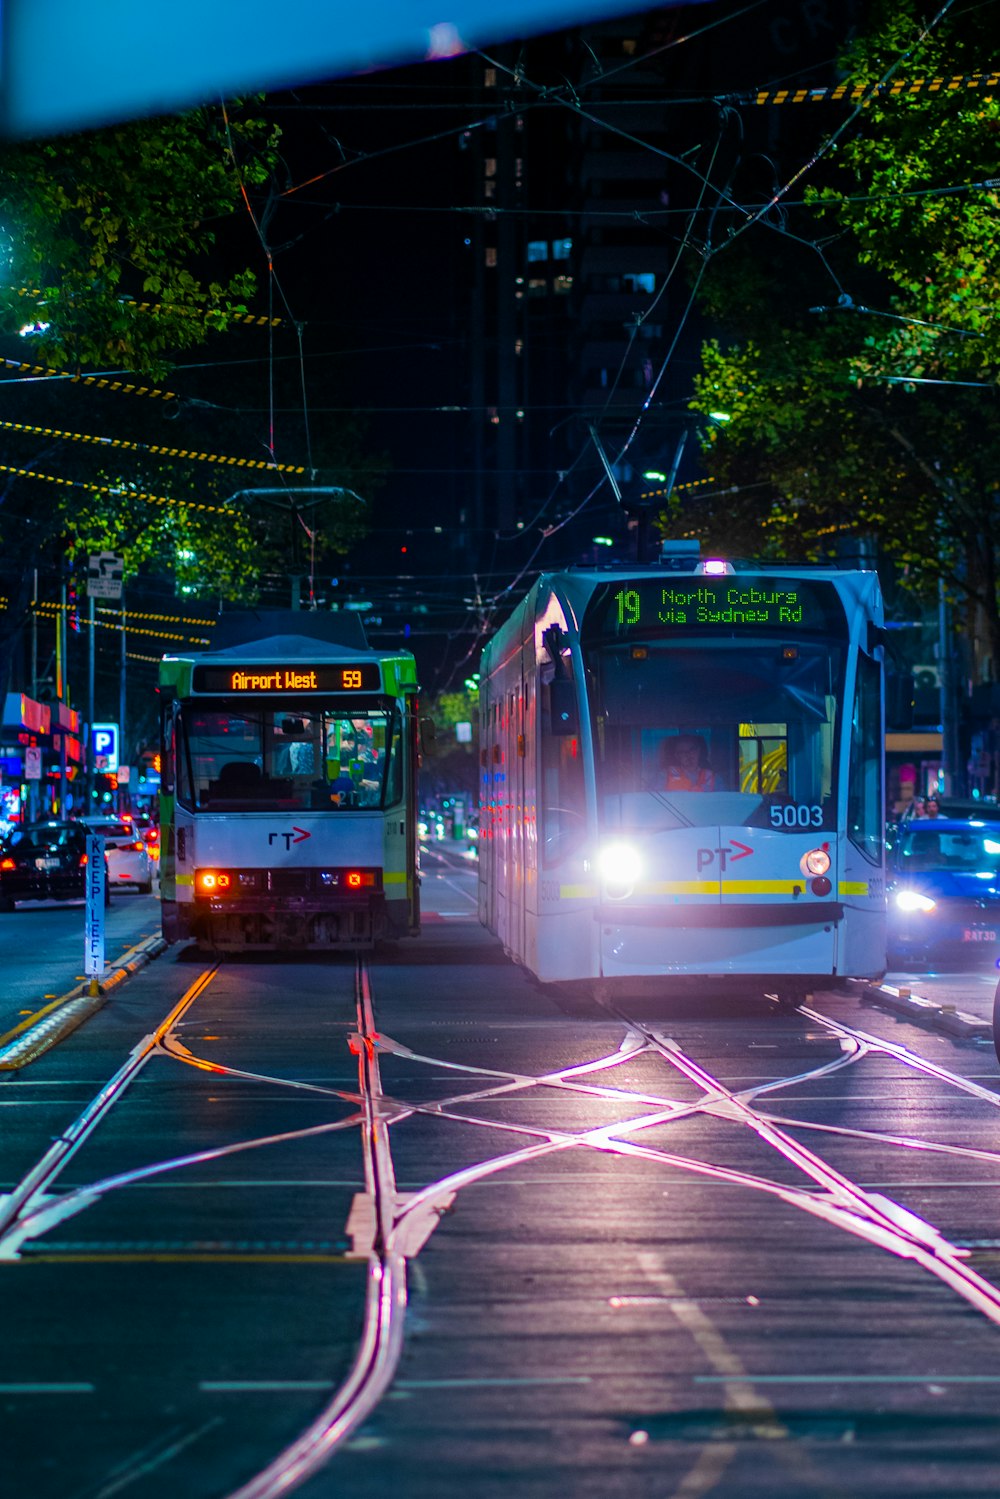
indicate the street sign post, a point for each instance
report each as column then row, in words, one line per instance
column 93, row 940
column 104, row 747
column 105, row 571
column 32, row 763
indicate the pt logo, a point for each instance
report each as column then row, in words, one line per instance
column 295, row 836
column 706, row 856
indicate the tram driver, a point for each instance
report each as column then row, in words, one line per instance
column 687, row 767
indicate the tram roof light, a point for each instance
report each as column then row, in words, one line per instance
column 716, row 567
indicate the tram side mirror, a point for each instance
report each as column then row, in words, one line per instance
column 900, row 694
column 428, row 733
column 877, row 635
column 294, row 728
column 563, row 708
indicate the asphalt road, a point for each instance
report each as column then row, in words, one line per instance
column 673, row 1256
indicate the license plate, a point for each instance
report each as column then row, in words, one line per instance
column 979, row 934
column 46, row 863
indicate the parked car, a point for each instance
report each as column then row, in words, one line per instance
column 44, row 861
column 944, row 891
column 128, row 857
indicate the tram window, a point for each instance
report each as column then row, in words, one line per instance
column 562, row 805
column 864, row 783
column 764, row 758
column 765, row 716
column 288, row 760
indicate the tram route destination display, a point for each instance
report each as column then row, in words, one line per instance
column 650, row 604
column 267, row 677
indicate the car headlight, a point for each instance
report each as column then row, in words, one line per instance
column 912, row 900
column 620, row 867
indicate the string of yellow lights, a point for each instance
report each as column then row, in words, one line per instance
column 50, row 611
column 852, row 93
column 102, row 382
column 242, row 319
column 167, row 619
column 133, row 494
column 126, row 446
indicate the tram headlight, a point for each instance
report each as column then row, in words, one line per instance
column 816, row 861
column 620, row 867
column 912, row 900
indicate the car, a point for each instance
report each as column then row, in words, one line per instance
column 944, row 891
column 44, row 861
column 149, row 832
column 128, row 857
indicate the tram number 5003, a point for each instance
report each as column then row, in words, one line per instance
column 800, row 816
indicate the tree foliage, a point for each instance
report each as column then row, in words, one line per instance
column 861, row 354
column 109, row 237
column 123, row 249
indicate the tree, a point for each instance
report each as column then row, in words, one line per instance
column 877, row 415
column 114, row 242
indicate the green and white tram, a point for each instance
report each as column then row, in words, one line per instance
column 288, row 795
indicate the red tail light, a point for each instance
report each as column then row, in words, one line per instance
column 7, row 864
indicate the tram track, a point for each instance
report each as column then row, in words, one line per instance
column 31, row 1210
column 399, row 1222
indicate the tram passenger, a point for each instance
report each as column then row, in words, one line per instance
column 352, row 785
column 687, row 767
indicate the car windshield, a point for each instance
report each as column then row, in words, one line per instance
column 29, row 839
column 110, row 829
column 972, row 849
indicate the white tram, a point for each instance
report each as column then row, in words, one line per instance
column 682, row 778
column 288, row 794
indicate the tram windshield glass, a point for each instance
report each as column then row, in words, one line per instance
column 260, row 758
column 696, row 731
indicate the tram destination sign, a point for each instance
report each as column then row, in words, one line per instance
column 732, row 603
column 247, row 678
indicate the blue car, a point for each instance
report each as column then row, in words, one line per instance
column 944, row 892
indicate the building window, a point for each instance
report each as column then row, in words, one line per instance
column 538, row 249
column 561, row 249
column 537, row 286
column 489, row 189
column 491, row 255
column 562, row 285
column 490, row 78
column 639, row 281
column 490, row 166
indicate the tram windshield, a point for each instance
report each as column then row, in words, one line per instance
column 270, row 758
column 693, row 731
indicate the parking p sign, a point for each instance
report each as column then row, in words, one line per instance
column 104, row 746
